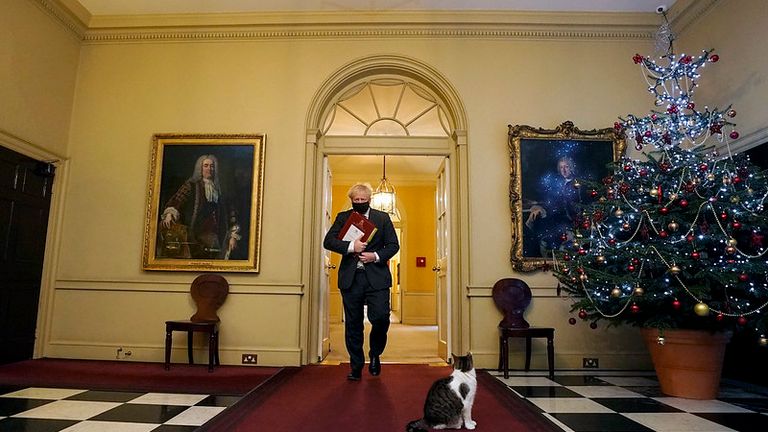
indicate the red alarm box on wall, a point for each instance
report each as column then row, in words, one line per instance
column 421, row 261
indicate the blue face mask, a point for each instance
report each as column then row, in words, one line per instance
column 361, row 208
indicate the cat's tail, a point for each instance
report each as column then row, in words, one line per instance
column 417, row 426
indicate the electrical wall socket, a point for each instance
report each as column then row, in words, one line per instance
column 589, row 362
column 250, row 358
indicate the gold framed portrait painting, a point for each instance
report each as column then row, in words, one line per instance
column 547, row 170
column 204, row 203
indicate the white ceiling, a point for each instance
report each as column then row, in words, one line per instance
column 134, row 7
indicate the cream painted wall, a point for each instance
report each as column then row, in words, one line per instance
column 127, row 91
column 736, row 30
column 38, row 70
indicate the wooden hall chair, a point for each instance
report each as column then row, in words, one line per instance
column 512, row 296
column 209, row 292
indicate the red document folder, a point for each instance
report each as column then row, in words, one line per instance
column 356, row 226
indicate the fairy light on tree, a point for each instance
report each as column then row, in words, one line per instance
column 677, row 239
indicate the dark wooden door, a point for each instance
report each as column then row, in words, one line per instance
column 25, row 200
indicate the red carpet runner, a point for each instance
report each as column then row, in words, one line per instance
column 319, row 398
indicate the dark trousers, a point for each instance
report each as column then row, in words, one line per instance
column 359, row 294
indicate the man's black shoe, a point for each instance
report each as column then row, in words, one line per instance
column 355, row 375
column 374, row 367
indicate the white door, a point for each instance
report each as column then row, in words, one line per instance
column 324, row 339
column 443, row 291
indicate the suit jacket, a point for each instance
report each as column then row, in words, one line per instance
column 384, row 243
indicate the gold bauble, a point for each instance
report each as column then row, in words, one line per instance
column 732, row 242
column 673, row 196
column 639, row 291
column 735, row 199
column 711, row 177
column 701, row 309
column 616, row 292
column 583, row 277
column 576, row 184
column 600, row 259
column 674, row 269
column 726, row 179
column 654, row 192
column 730, row 250
column 763, row 341
column 673, row 226
column 619, row 212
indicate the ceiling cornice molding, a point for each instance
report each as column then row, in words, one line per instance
column 66, row 13
column 365, row 25
column 687, row 12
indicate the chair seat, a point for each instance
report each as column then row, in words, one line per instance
column 530, row 332
column 209, row 327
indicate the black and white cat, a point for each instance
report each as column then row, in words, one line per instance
column 449, row 400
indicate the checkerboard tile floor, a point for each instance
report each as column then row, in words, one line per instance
column 579, row 402
column 38, row 409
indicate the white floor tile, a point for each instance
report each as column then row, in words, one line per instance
column 603, row 391
column 631, row 381
column 169, row 399
column 68, row 410
column 569, row 405
column 99, row 426
column 44, row 393
column 195, row 416
column 676, row 422
column 558, row 423
column 701, row 406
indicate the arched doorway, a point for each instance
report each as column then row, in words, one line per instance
column 399, row 107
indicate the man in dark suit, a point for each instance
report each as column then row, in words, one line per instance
column 364, row 279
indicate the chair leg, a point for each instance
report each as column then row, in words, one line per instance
column 168, row 341
column 551, row 357
column 189, row 347
column 505, row 355
column 211, row 350
column 216, row 361
column 527, row 353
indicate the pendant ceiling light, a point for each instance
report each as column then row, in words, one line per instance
column 383, row 197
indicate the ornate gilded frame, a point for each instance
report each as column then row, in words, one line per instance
column 240, row 175
column 541, row 149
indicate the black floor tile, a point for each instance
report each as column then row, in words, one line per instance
column 219, row 401
column 575, row 380
column 10, row 406
column 174, row 428
column 651, row 391
column 753, row 404
column 591, row 422
column 34, row 425
column 745, row 422
column 542, row 391
column 141, row 413
column 635, row 405
column 105, row 396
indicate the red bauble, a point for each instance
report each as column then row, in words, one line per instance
column 695, row 255
column 635, row 261
column 689, row 237
column 703, row 167
column 643, row 172
column 664, row 210
column 583, row 314
column 742, row 320
column 582, row 251
column 631, row 268
column 743, row 277
column 627, row 167
column 736, row 225
column 586, row 224
column 663, row 234
column 719, row 317
column 714, row 58
column 723, row 216
column 612, row 242
column 736, row 180
column 734, row 135
column 634, row 308
column 637, row 58
column 566, row 257
column 593, row 325
column 572, row 321
column 691, row 105
column 593, row 194
column 676, row 304
column 563, row 237
column 683, row 203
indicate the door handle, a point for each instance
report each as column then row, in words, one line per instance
column 330, row 266
column 435, row 269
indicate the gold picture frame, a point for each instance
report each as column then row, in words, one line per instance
column 204, row 203
column 541, row 198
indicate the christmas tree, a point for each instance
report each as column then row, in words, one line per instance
column 675, row 238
